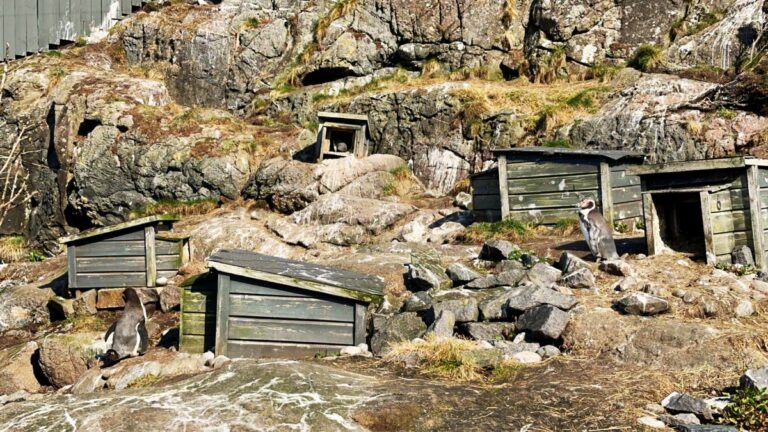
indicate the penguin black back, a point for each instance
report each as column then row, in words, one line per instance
column 127, row 337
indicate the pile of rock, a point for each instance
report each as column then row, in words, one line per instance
column 691, row 414
column 520, row 308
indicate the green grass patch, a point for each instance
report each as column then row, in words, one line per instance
column 561, row 143
column 581, row 99
column 748, row 410
column 401, row 172
column 646, row 57
column 726, row 113
column 511, row 229
column 13, row 249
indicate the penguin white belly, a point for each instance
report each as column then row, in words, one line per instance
column 587, row 237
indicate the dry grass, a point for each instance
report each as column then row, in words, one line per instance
column 144, row 381
column 405, row 185
column 176, row 207
column 440, row 357
column 13, row 249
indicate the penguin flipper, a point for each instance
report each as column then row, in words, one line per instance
column 110, row 334
column 143, row 336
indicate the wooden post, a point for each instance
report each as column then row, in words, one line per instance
column 606, row 196
column 150, row 256
column 360, row 328
column 706, row 219
column 222, row 314
column 72, row 266
column 652, row 234
column 503, row 186
column 756, row 221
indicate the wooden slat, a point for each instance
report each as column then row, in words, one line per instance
column 199, row 324
column 583, row 182
column 755, row 220
column 653, row 240
column 730, row 221
column 486, row 202
column 9, row 27
column 763, row 178
column 548, row 168
column 624, row 179
column 606, row 193
column 168, row 262
column 136, row 234
column 487, row 215
column 725, row 242
column 361, row 331
column 239, row 285
column 110, row 264
column 125, row 248
column 31, row 17
column 44, row 22
column 734, row 179
column 150, row 255
column 290, row 308
column 274, row 330
column 545, row 216
column 222, row 313
column 72, row 266
column 729, row 199
column 626, row 194
column 547, row 200
column 167, row 273
column 628, row 210
column 166, row 247
column 192, row 301
column 709, row 243
column 504, row 189
column 21, row 28
column 239, row 349
column 110, row 280
column 194, row 344
column 482, row 186
column 125, row 7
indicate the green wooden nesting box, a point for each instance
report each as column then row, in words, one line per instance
column 706, row 208
column 197, row 325
column 273, row 307
column 130, row 254
column 543, row 184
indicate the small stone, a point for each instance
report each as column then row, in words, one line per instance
column 255, row 215
column 616, row 268
column 161, row 281
column 629, row 283
column 360, row 350
column 220, row 361
column 464, row 309
column 531, row 298
column 690, row 297
column 653, row 289
column 528, row 260
column 508, row 265
column 651, row 422
column 487, row 330
column 569, row 263
column 757, row 378
column 86, row 303
column 463, row 200
column 508, row 278
column 510, row 348
column 414, row 232
column 443, row 324
column 445, row 233
column 207, row 358
column 548, row 351
column 742, row 255
column 526, row 357
column 519, row 338
column 679, row 419
column 61, row 308
column 759, row 286
column 710, row 309
column 707, row 428
column 425, row 276
column 717, row 404
column 642, row 304
column 679, row 293
column 581, row 278
column 496, row 250
column 418, row 302
column 655, row 408
column 683, row 403
column 461, row 274
column 640, row 256
column 744, row 309
column 484, row 358
column 546, row 322
column 542, row 274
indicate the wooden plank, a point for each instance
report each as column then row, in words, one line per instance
column 730, row 179
column 730, row 221
column 361, row 332
column 125, row 248
column 31, row 16
column 725, row 242
column 548, row 168
column 111, row 264
column 53, row 21
column 241, row 349
column 194, row 344
column 626, row 194
column 606, row 193
column 687, row 166
column 111, row 280
column 168, row 262
column 706, row 216
column 486, row 202
column 21, row 28
column 222, row 313
column 167, row 273
column 730, row 199
column 652, row 234
column 544, row 216
column 628, row 210
column 112, row 229
column 75, row 8
column 136, row 234
column 485, row 186
column 239, row 285
column 276, row 330
column 582, row 182
column 125, row 7
column 44, row 23
column 72, row 266
column 564, row 199
column 487, row 215
column 150, row 255
column 503, row 186
column 624, row 179
column 756, row 221
column 763, row 178
column 290, row 308
column 166, row 247
column 198, row 302
column 199, row 324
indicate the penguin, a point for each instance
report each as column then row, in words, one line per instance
column 597, row 233
column 341, row 146
column 127, row 337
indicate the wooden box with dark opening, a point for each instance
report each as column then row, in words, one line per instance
column 341, row 135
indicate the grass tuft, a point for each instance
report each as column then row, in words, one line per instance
column 441, row 357
column 13, row 249
column 507, row 229
column 176, row 207
column 748, row 409
column 646, row 57
column 726, row 113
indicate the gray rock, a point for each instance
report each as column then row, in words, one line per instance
column 569, row 263
column 443, row 324
column 545, row 322
column 617, row 268
column 494, row 307
column 581, row 278
column 496, row 250
column 221, row 361
column 464, row 308
column 414, row 231
column 629, row 283
column 679, row 419
column 463, row 200
column 64, row 358
column 372, row 215
column 91, row 381
column 170, row 298
column 461, row 274
column 683, row 403
column 489, row 331
column 511, row 348
column 548, row 351
column 542, row 274
column 526, row 357
column 86, row 303
column 424, row 276
column 418, row 302
column 18, row 371
column 757, row 378
column 707, row 428
column 507, row 278
column 742, row 255
column 530, row 298
column 651, row 422
column 445, row 233
column 61, row 308
column 508, row 265
column 744, row 309
column 397, row 328
column 642, row 304
column 484, row 358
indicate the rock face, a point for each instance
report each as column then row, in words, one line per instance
column 64, row 358
column 642, row 304
column 397, row 328
column 544, row 321
column 757, row 378
column 496, row 250
column 443, row 324
column 17, row 372
column 23, row 306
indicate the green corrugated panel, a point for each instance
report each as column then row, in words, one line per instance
column 125, row 6
column 21, row 29
column 43, row 26
column 74, row 17
column 2, row 36
column 9, row 28
column 98, row 14
column 32, row 44
column 65, row 25
column 137, row 3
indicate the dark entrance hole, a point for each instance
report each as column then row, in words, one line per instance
column 681, row 225
column 325, row 75
column 87, row 126
column 341, row 140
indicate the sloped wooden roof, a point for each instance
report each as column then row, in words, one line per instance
column 303, row 275
column 614, row 155
column 94, row 232
column 697, row 165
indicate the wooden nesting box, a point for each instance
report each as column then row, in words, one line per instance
column 543, row 184
column 274, row 307
column 130, row 254
column 341, row 135
column 706, row 208
column 197, row 325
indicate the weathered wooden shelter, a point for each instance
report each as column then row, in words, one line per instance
column 341, row 135
column 31, row 26
column 274, row 307
column 706, row 208
column 543, row 184
column 197, row 325
column 130, row 254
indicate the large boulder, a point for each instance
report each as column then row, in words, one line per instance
column 642, row 304
column 24, row 306
column 530, row 298
column 463, row 308
column 757, row 378
column 443, row 324
column 488, row 331
column 64, row 358
column 495, row 305
column 372, row 215
column 397, row 328
column 545, row 322
column 461, row 274
column 426, row 276
column 580, row 278
column 287, row 185
column 18, row 371
column 496, row 250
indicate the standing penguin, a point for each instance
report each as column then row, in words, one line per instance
column 127, row 337
column 597, row 233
